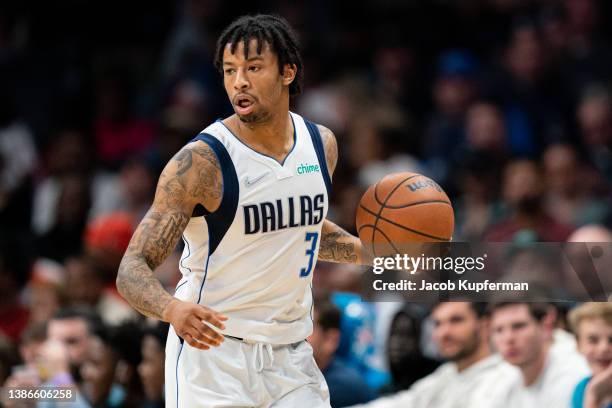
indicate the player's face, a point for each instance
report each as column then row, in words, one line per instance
column 456, row 330
column 517, row 335
column 254, row 84
column 595, row 342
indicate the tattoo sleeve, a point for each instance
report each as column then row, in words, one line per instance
column 193, row 176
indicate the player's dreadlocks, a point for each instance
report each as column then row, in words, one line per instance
column 273, row 30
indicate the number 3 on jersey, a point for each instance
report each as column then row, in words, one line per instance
column 312, row 237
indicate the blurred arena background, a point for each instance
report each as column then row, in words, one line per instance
column 506, row 103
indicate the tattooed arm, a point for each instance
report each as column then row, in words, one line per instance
column 337, row 245
column 192, row 177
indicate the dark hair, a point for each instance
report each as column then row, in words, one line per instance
column 479, row 308
column 328, row 314
column 159, row 332
column 265, row 28
column 537, row 310
column 94, row 323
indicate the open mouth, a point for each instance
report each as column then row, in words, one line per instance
column 243, row 104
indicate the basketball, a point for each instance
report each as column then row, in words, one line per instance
column 404, row 208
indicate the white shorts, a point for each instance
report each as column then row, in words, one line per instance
column 243, row 374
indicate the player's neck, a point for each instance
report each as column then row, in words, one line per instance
column 273, row 137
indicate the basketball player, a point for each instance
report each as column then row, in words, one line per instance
column 249, row 196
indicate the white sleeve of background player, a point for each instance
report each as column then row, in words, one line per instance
column 417, row 396
column 403, row 399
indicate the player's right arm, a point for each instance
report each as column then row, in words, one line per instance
column 192, row 177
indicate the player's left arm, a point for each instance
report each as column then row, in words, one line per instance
column 337, row 245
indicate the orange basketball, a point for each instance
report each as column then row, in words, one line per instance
column 404, row 208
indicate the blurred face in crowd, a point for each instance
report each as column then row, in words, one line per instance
column 458, row 332
column 324, row 342
column 595, row 342
column 254, row 85
column 595, row 119
column 403, row 341
column 151, row 369
column 523, row 185
column 518, row 336
column 98, row 371
column 74, row 334
column 485, row 128
column 525, row 54
column 83, row 284
column 562, row 170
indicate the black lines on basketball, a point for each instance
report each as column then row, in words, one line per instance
column 395, row 207
column 381, row 233
column 392, row 191
column 424, row 234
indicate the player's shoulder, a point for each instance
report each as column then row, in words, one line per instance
column 330, row 145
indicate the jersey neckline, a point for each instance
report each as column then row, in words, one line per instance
column 280, row 163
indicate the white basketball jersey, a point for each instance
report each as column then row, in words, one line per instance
column 253, row 258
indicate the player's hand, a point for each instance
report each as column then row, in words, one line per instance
column 190, row 323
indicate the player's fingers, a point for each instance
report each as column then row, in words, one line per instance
column 194, row 342
column 208, row 334
column 212, row 317
column 200, row 325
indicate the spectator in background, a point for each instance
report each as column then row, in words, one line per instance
column 119, row 134
column 18, row 159
column 527, row 92
column 98, row 373
column 86, row 286
column 485, row 130
column 406, row 361
column 69, row 156
column 14, row 273
column 569, row 197
column 137, row 188
column 44, row 293
column 453, row 91
column 594, row 114
column 374, row 146
column 346, row 386
column 65, row 237
column 592, row 325
column 8, row 358
column 478, row 206
column 523, row 335
column 151, row 368
column 74, row 328
column 106, row 239
column 461, row 333
column 32, row 340
column 523, row 189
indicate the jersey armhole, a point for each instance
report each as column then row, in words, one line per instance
column 317, row 142
column 220, row 220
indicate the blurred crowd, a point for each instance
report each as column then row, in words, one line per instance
column 505, row 103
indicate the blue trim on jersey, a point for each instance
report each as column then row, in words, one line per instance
column 188, row 254
column 220, row 221
column 176, row 371
column 282, row 163
column 317, row 142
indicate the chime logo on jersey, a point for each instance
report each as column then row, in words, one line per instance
column 308, row 168
column 284, row 213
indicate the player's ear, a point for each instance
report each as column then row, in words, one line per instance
column 289, row 73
